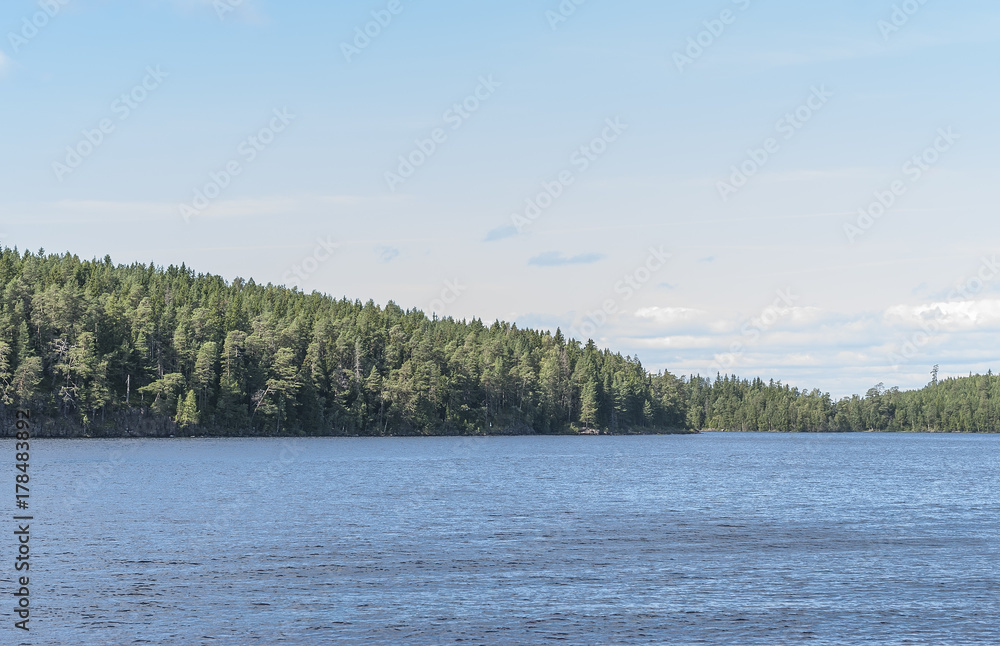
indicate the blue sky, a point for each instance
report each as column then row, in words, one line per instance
column 521, row 161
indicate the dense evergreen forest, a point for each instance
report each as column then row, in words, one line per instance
column 95, row 348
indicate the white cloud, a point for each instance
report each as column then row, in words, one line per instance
column 676, row 342
column 800, row 315
column 669, row 315
column 4, row 64
column 956, row 315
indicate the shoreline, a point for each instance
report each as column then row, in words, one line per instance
column 210, row 436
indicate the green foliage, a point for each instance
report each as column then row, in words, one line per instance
column 187, row 410
column 77, row 337
column 967, row 404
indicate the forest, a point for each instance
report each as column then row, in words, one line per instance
column 92, row 348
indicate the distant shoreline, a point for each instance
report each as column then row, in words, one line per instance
column 219, row 436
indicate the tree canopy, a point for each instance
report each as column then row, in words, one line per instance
column 966, row 404
column 94, row 347
column 81, row 341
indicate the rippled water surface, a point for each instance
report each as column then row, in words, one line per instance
column 705, row 539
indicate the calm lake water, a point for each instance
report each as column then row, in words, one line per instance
column 703, row 539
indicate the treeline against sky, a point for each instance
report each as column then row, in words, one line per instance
column 92, row 346
column 966, row 404
column 82, row 340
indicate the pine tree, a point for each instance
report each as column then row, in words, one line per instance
column 83, row 340
column 589, row 403
column 187, row 410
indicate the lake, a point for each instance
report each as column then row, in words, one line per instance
column 719, row 538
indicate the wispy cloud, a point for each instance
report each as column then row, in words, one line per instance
column 78, row 210
column 387, row 254
column 556, row 259
column 681, row 342
column 814, row 49
column 668, row 315
column 4, row 64
column 500, row 233
column 244, row 9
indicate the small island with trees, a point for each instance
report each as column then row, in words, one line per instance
column 103, row 350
